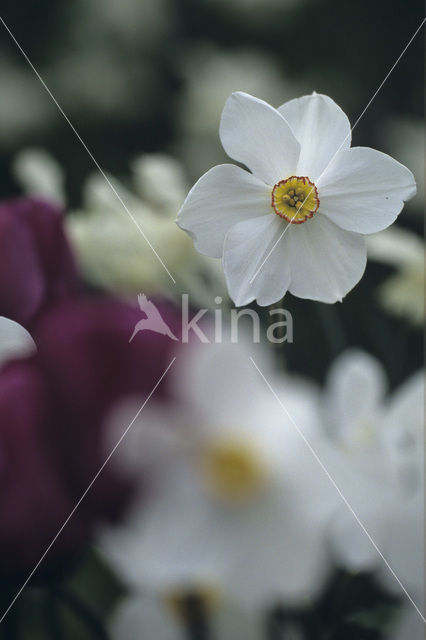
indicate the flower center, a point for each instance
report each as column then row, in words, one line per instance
column 233, row 470
column 202, row 598
column 295, row 199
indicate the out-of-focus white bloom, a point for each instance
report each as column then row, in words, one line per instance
column 211, row 75
column 24, row 106
column 403, row 293
column 114, row 254
column 109, row 247
column 238, row 505
column 15, row 341
column 39, row 174
column 380, row 470
column 404, row 138
column 160, row 180
column 297, row 222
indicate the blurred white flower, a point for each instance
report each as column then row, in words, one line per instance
column 306, row 182
column 403, row 293
column 110, row 249
column 404, row 138
column 210, row 76
column 113, row 253
column 380, row 470
column 24, row 107
column 237, row 505
column 15, row 341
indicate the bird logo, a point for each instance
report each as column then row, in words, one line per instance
column 153, row 321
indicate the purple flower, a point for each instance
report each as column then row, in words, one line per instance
column 36, row 264
column 53, row 407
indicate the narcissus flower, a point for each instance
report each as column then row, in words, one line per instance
column 296, row 222
column 237, row 507
column 379, row 468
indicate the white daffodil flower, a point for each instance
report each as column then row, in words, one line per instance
column 15, row 341
column 238, row 507
column 379, row 471
column 296, row 222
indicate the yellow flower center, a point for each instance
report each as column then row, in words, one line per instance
column 295, row 199
column 233, row 470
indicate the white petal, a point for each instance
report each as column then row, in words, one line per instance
column 364, row 190
column 325, row 261
column 246, row 246
column 15, row 341
column 255, row 134
column 222, row 197
column 322, row 129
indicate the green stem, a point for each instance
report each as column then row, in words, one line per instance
column 196, row 619
column 84, row 612
column 53, row 624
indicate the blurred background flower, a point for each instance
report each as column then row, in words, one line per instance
column 109, row 241
column 403, row 293
column 254, row 504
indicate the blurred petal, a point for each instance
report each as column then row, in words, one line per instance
column 255, row 134
column 224, row 196
column 364, row 190
column 354, row 375
column 321, row 128
column 40, row 174
column 396, row 246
